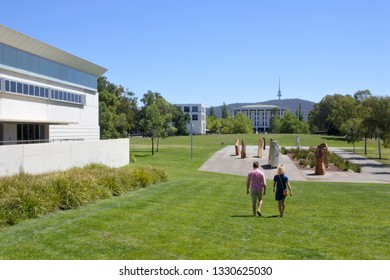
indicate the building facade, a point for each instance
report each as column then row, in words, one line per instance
column 197, row 113
column 46, row 94
column 260, row 115
column 49, row 110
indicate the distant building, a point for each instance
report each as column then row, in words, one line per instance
column 260, row 115
column 197, row 114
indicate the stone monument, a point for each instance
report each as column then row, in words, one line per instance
column 237, row 147
column 243, row 149
column 273, row 157
column 298, row 142
column 260, row 148
column 321, row 159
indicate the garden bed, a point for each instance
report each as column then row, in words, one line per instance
column 305, row 159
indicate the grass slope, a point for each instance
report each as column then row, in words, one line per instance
column 201, row 215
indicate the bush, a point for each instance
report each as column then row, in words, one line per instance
column 307, row 157
column 26, row 196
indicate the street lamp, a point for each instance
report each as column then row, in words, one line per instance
column 191, row 137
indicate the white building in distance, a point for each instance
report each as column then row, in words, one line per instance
column 260, row 115
column 197, row 114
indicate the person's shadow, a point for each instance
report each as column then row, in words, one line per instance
column 248, row 216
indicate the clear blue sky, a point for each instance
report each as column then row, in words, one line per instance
column 214, row 51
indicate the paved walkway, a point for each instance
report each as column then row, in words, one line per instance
column 225, row 161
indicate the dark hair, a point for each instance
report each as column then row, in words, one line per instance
column 256, row 164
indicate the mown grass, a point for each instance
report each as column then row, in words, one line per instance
column 202, row 215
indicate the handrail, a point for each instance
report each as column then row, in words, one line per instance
column 38, row 141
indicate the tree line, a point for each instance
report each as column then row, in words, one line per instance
column 362, row 115
column 120, row 115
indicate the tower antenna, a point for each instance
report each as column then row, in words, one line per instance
column 279, row 92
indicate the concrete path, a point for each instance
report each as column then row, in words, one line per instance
column 225, row 161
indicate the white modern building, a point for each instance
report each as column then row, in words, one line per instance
column 46, row 96
column 197, row 114
column 260, row 115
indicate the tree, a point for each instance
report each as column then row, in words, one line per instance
column 361, row 95
column 211, row 112
column 299, row 113
column 117, row 110
column 225, row 113
column 179, row 121
column 242, row 124
column 331, row 112
column 227, row 125
column 275, row 120
column 152, row 122
column 353, row 130
column 291, row 124
column 155, row 124
column 214, row 124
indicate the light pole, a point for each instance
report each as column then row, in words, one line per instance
column 191, row 138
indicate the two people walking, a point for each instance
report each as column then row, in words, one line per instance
column 256, row 185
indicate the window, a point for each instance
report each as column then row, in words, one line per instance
column 194, row 108
column 43, row 92
column 36, row 91
column 194, row 117
column 19, row 88
column 30, row 133
column 186, row 109
column 14, row 57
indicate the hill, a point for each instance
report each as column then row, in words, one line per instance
column 291, row 105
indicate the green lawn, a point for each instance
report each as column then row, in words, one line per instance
column 201, row 215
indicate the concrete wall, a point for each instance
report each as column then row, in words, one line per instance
column 42, row 158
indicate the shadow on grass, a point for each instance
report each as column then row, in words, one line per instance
column 248, row 216
column 146, row 155
column 241, row 216
column 340, row 138
column 273, row 216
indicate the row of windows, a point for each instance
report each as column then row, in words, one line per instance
column 186, row 109
column 41, row 92
column 19, row 59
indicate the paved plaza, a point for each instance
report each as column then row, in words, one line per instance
column 225, row 161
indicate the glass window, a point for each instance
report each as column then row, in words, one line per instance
column 186, row 108
column 13, row 86
column 194, row 108
column 9, row 56
column 36, row 91
column 42, row 92
column 194, row 117
column 7, row 88
column 16, row 58
column 25, row 88
column 19, row 88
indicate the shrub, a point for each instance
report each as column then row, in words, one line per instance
column 303, row 162
column 26, row 196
